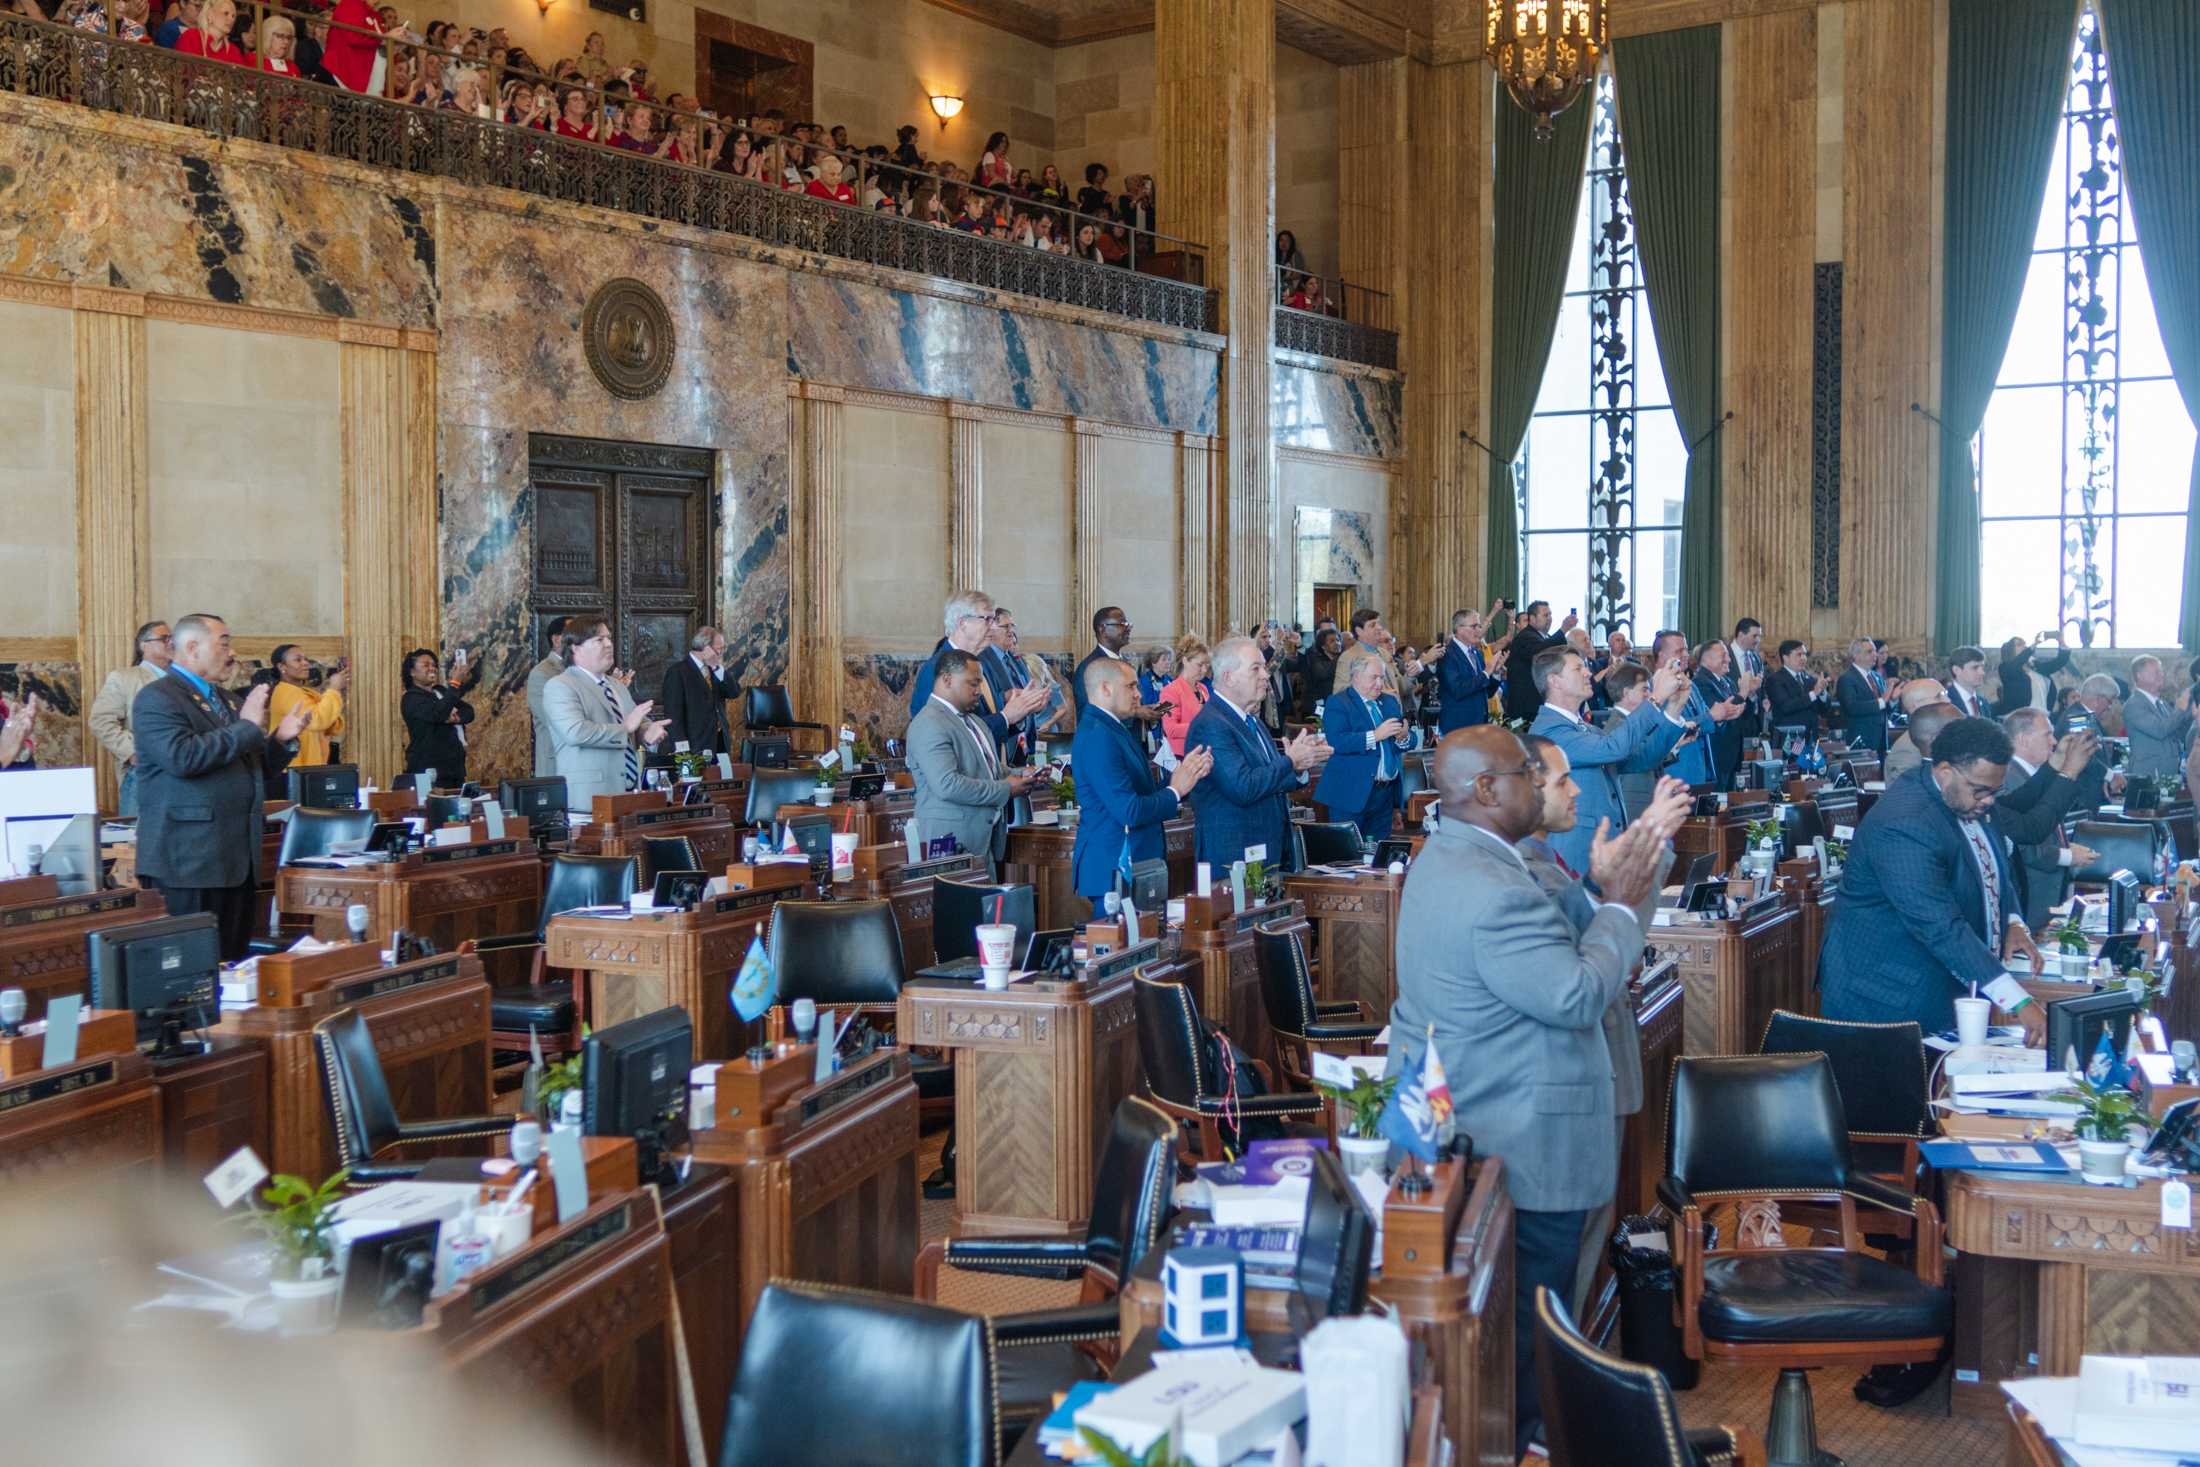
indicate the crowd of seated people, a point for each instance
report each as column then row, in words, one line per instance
column 447, row 67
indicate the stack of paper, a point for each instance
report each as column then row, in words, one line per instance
column 1225, row 1408
column 2119, row 1398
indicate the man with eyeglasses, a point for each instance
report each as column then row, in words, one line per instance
column 110, row 712
column 1111, row 634
column 1513, row 996
column 968, row 620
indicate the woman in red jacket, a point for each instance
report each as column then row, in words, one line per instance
column 348, row 55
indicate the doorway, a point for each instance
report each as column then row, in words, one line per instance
column 623, row 530
column 1334, row 603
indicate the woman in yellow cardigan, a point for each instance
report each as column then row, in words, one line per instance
column 326, row 708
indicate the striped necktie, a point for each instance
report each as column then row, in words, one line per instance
column 618, row 715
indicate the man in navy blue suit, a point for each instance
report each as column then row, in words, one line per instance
column 1245, row 800
column 1861, row 696
column 1463, row 678
column 1121, row 805
column 969, row 619
column 1928, row 904
column 1367, row 730
column 1562, row 686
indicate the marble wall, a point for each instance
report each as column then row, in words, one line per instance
column 1337, row 517
column 1337, row 408
column 62, row 739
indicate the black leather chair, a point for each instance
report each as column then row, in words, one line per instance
column 666, row 853
column 1770, row 1127
column 836, row 953
column 365, row 1117
column 1412, row 779
column 1172, row 1053
column 831, row 1374
column 546, row 1009
column 309, row 832
column 959, row 906
column 1602, row 1411
column 771, row 788
column 1880, row 1071
column 1327, row 843
column 766, row 710
column 1303, row 1024
column 2121, row 845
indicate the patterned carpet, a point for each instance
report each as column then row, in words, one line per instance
column 1921, row 1434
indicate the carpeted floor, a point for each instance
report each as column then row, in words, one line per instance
column 1921, row 1434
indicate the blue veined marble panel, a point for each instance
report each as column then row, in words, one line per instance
column 1340, row 411
column 854, row 334
column 1331, row 547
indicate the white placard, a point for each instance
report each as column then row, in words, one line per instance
column 1255, row 853
column 62, row 1014
column 2176, row 1204
column 828, row 759
column 492, row 816
column 1844, row 832
column 680, row 746
column 456, row 835
column 238, row 1175
column 1330, row 1069
column 568, row 1172
column 1206, row 879
column 725, row 766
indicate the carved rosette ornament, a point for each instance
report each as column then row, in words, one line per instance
column 627, row 333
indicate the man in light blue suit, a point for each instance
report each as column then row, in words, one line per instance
column 1367, row 729
column 1246, row 799
column 1562, row 681
column 1696, row 762
column 1121, row 805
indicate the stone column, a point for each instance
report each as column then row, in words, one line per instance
column 114, row 567
column 1215, row 115
column 1195, row 459
column 1088, row 525
column 966, row 510
column 819, row 505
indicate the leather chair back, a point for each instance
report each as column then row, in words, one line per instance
column 1879, row 1069
column 358, row 1094
column 1412, row 779
column 771, row 788
column 1169, row 1047
column 584, row 881
column 766, row 706
column 312, row 832
column 1756, row 1123
column 836, row 952
column 1333, row 843
column 2123, row 845
column 831, row 1374
column 1286, row 985
column 668, row 853
column 1130, row 1193
column 1599, row 1411
column 959, row 906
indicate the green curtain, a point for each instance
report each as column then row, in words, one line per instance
column 2008, row 67
column 2154, row 75
column 1538, row 190
column 1669, row 137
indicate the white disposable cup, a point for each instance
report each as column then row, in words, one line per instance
column 844, row 855
column 508, row 1227
column 1971, row 1016
column 996, row 951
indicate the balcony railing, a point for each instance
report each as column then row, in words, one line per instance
column 1331, row 317
column 90, row 69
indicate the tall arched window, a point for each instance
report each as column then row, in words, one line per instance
column 1600, row 476
column 2084, row 455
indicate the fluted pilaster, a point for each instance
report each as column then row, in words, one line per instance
column 1195, row 458
column 966, row 510
column 821, row 495
column 114, row 568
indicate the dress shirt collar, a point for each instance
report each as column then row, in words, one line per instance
column 1569, row 714
column 204, row 688
column 1111, row 717
column 1464, row 647
column 953, row 712
column 1490, row 838
column 1101, row 648
column 2028, row 768
column 1240, row 712
column 700, row 666
column 2142, row 692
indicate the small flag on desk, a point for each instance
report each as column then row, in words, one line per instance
column 756, row 984
column 2106, row 1069
column 1419, row 1112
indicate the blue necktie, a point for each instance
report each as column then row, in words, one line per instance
column 633, row 765
column 1386, row 752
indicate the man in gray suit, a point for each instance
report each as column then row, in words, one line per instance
column 1491, row 972
column 963, row 784
column 2160, row 730
column 597, row 730
column 538, row 678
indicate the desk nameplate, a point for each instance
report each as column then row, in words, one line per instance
column 65, row 908
column 672, row 815
column 533, row 1264
column 89, row 1076
column 391, row 980
column 481, row 850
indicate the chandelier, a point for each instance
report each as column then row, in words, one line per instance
column 1546, row 51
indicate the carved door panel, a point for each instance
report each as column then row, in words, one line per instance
column 625, row 530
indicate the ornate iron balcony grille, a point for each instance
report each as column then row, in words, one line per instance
column 1327, row 336
column 62, row 64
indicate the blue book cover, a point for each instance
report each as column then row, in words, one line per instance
column 1993, row 1156
column 1269, row 1162
column 1061, row 1422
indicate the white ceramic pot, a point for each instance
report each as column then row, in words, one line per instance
column 2102, row 1161
column 1068, row 814
column 308, row 1306
column 822, row 795
column 2075, row 965
column 1362, row 1154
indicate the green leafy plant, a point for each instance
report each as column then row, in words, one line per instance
column 1161, row 1454
column 1767, row 829
column 296, row 1222
column 865, row 751
column 557, row 1078
column 1837, row 852
column 1065, row 791
column 1363, row 1103
column 2106, row 1112
column 2068, row 936
column 692, row 764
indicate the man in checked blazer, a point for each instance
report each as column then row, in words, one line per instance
column 597, row 730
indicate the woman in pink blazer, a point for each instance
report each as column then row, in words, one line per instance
column 1187, row 695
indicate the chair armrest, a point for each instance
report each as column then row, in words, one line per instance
column 373, row 1173
column 1865, row 1187
column 1349, row 1010
column 1030, row 1258
column 512, row 943
column 1261, row 1105
column 1674, row 1193
column 454, row 1128
column 1072, row 1325
column 1335, row 1033
column 1717, row 1446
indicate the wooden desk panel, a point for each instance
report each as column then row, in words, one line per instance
column 432, row 1038
column 1040, row 855
column 212, row 1104
column 78, row 1125
column 486, row 889
column 636, row 966
column 701, row 1225
column 1659, row 1000
column 1355, row 941
column 1720, row 836
column 716, row 837
column 42, row 941
column 1736, row 973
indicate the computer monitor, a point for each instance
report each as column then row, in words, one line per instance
column 635, row 1083
column 442, row 810
column 1150, row 885
column 2123, row 901
column 2075, row 1025
column 72, row 857
column 1336, row 1243
column 166, row 971
column 959, row 906
column 1332, row 844
column 1767, row 774
column 813, row 837
column 769, row 789
column 533, row 800
column 323, row 786
column 772, row 751
column 679, row 890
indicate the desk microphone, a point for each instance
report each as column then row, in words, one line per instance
column 13, row 1005
column 355, row 918
column 805, row 1019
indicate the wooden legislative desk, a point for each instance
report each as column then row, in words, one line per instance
column 622, row 823
column 884, row 873
column 42, row 939
column 429, row 1020
column 1720, row 835
column 1218, row 944
column 1355, row 937
column 2062, row 1269
column 1040, row 855
column 90, row 1122
column 1736, row 972
column 826, row 1185
column 1813, row 896
column 446, row 894
column 701, row 1222
column 1039, row 1069
column 633, row 966
column 878, row 820
column 211, row 1104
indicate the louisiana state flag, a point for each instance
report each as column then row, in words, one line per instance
column 756, row 983
column 1418, row 1117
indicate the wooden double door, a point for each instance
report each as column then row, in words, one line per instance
column 625, row 530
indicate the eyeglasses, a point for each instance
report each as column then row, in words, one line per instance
column 155, row 641
column 1126, row 626
column 1504, row 773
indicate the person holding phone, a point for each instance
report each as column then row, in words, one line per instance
column 436, row 713
column 324, row 708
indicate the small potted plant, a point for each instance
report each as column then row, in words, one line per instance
column 1837, row 856
column 1763, row 839
column 1359, row 1114
column 296, row 1223
column 691, row 765
column 1065, row 798
column 821, row 793
column 2072, row 948
column 554, row 1080
column 2106, row 1114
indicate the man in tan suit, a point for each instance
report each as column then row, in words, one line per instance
column 110, row 711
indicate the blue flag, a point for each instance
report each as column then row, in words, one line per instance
column 1415, row 1117
column 2106, row 1068
column 756, row 984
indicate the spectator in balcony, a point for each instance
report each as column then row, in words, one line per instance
column 594, row 62
column 924, row 204
column 409, row 83
column 905, row 147
column 1050, row 189
column 182, row 16
column 637, row 79
column 470, row 93
column 1025, row 185
column 839, row 136
column 210, row 37
column 828, row 184
column 1043, row 229
column 1094, row 197
column 523, row 106
column 1021, row 231
column 1088, row 244
column 278, row 45
column 1135, row 207
column 134, row 14
column 1290, row 263
column 637, row 133
column 1306, row 294
column 743, row 159
column 574, row 119
column 973, row 219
